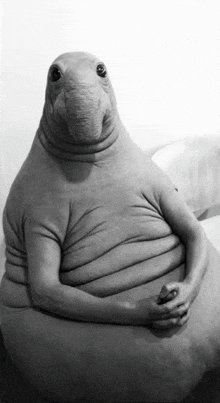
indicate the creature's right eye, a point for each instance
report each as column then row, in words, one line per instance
column 54, row 74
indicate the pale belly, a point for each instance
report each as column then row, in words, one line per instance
column 126, row 266
column 119, row 247
column 130, row 363
column 114, row 239
column 105, row 263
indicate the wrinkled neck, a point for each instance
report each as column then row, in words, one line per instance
column 58, row 142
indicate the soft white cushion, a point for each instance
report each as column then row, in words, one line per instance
column 193, row 164
column 212, row 229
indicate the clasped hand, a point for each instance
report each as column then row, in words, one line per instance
column 171, row 308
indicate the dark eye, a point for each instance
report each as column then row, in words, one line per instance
column 101, row 70
column 55, row 74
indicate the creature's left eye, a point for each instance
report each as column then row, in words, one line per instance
column 55, row 74
column 101, row 70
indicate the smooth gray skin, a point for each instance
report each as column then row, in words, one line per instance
column 95, row 176
column 80, row 109
column 86, row 186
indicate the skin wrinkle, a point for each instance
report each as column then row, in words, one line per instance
column 66, row 331
column 14, row 248
column 10, row 262
column 83, row 104
column 119, row 285
column 87, row 89
column 23, row 280
column 80, row 218
column 118, row 269
column 11, row 251
column 93, row 232
column 107, row 252
column 47, row 133
column 54, row 143
column 141, row 239
column 82, row 93
column 87, row 234
column 14, row 230
column 124, row 242
column 51, row 141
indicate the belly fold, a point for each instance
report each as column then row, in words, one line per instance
column 125, row 278
column 118, row 271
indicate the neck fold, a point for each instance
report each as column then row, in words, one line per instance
column 64, row 148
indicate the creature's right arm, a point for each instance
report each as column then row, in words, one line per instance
column 48, row 293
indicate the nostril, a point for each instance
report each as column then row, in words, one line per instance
column 105, row 119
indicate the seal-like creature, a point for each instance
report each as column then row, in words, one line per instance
column 106, row 294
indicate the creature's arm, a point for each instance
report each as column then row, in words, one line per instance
column 185, row 225
column 47, row 293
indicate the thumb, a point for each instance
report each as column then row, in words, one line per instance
column 168, row 291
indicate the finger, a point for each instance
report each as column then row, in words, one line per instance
column 177, row 312
column 171, row 305
column 166, row 324
column 164, row 292
column 166, row 308
column 184, row 318
column 172, row 294
column 168, row 292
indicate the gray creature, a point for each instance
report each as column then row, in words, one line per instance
column 106, row 294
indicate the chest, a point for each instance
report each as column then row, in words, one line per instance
column 106, row 215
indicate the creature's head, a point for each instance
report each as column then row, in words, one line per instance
column 80, row 102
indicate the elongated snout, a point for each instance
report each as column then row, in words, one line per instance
column 80, row 97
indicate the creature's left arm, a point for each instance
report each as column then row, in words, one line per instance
column 184, row 224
